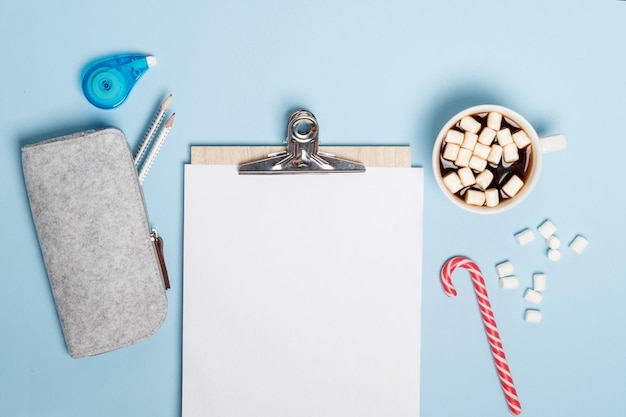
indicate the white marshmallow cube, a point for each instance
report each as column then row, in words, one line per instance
column 469, row 141
column 495, row 154
column 524, row 237
column 477, row 163
column 532, row 316
column 463, row 158
column 494, row 120
column 578, row 245
column 521, row 139
column 454, row 136
column 512, row 186
column 508, row 283
column 451, row 151
column 469, row 124
column 533, row 296
column 510, row 153
column 492, row 197
column 486, row 136
column 484, row 179
column 505, row 269
column 475, row 197
column 452, row 182
column 482, row 151
column 546, row 229
column 539, row 282
column 553, row 242
column 554, row 255
column 467, row 176
column 504, row 137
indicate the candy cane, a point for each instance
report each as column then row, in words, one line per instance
column 489, row 321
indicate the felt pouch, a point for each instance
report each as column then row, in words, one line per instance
column 101, row 256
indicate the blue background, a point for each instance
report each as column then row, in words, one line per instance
column 373, row 73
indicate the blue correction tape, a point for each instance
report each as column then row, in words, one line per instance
column 108, row 81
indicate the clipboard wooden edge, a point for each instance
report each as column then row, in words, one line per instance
column 370, row 156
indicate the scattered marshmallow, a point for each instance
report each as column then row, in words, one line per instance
column 553, row 242
column 546, row 229
column 481, row 150
column 533, row 296
column 524, row 237
column 495, row 154
column 532, row 316
column 508, row 283
column 467, row 176
column 492, row 197
column 453, row 182
column 469, row 141
column 510, row 153
column 454, row 136
column 539, row 282
column 451, row 151
column 578, row 245
column 554, row 255
column 487, row 135
column 469, row 124
column 484, row 179
column 521, row 139
column 505, row 269
column 463, row 158
column 513, row 185
column 494, row 120
column 504, row 137
column 477, row 163
column 475, row 197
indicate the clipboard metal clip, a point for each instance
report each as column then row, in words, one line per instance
column 302, row 154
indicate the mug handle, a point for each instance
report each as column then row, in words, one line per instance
column 553, row 143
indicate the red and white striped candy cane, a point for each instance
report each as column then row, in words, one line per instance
column 489, row 321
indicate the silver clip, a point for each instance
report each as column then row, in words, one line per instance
column 302, row 155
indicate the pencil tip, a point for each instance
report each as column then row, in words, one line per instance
column 170, row 121
column 166, row 102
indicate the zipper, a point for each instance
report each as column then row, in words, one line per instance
column 158, row 246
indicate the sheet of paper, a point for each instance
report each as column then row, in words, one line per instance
column 302, row 293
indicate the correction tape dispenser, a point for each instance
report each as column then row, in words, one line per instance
column 108, row 81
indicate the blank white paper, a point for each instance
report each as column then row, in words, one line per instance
column 302, row 293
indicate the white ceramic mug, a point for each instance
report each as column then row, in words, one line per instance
column 538, row 146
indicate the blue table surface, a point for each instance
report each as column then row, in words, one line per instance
column 374, row 73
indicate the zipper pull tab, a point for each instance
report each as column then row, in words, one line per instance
column 158, row 245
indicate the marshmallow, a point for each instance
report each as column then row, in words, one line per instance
column 554, row 255
column 482, row 151
column 539, row 282
column 532, row 316
column 477, row 163
column 492, row 197
column 578, row 245
column 521, row 139
column 454, row 136
column 469, row 140
column 546, row 229
column 504, row 269
column 508, row 283
column 467, row 177
column 487, row 135
column 484, row 179
column 469, row 124
column 451, row 151
column 510, row 153
column 495, row 154
column 504, row 137
column 533, row 296
column 475, row 197
column 463, row 158
column 494, row 120
column 452, row 182
column 553, row 242
column 524, row 237
column 513, row 185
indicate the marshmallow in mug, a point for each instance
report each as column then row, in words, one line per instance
column 486, row 155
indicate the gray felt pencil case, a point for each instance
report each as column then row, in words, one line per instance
column 98, row 248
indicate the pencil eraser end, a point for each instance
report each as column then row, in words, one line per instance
column 151, row 61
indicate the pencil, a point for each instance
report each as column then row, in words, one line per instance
column 154, row 126
column 154, row 152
